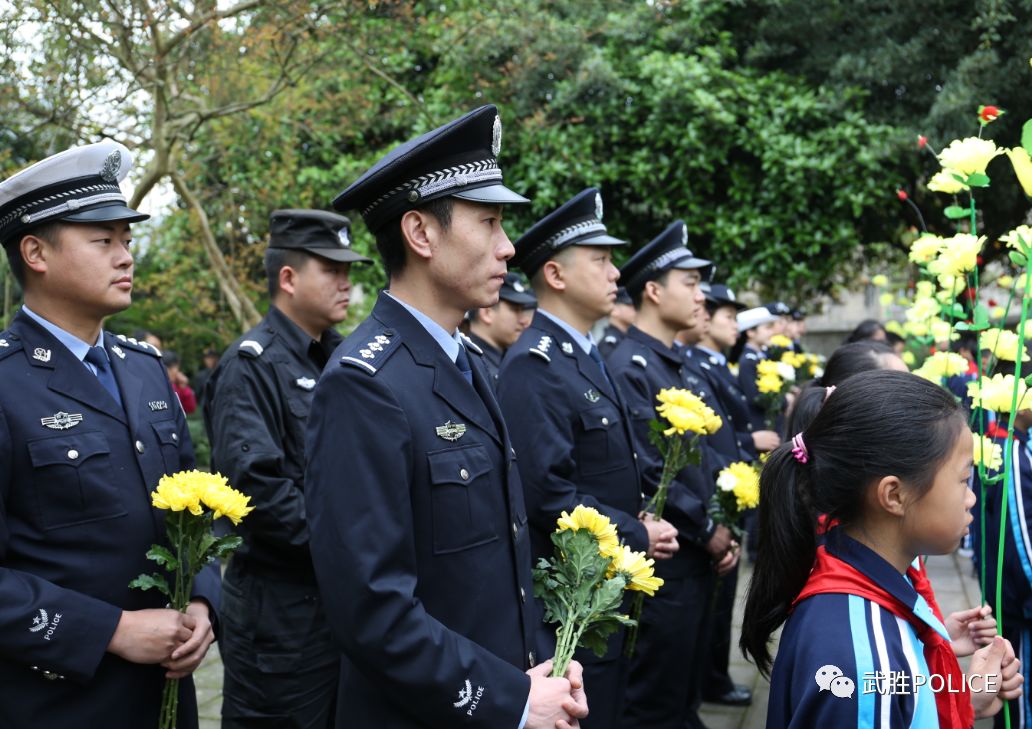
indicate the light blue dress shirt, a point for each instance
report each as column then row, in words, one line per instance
column 584, row 342
column 75, row 345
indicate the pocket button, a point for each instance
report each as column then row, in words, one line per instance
column 73, row 454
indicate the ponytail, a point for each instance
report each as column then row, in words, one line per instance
column 788, row 547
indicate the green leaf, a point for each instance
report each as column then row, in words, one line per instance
column 1018, row 259
column 1026, row 136
column 977, row 179
column 1028, row 380
column 152, row 581
column 163, row 556
column 955, row 212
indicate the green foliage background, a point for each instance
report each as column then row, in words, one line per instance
column 778, row 130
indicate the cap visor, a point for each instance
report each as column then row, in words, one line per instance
column 496, row 194
column 338, row 255
column 602, row 239
column 519, row 299
column 686, row 264
column 105, row 213
column 739, row 306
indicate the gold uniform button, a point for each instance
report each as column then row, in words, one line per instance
column 73, row 454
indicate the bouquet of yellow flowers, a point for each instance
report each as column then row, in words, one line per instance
column 773, row 379
column 738, row 488
column 777, row 346
column 582, row 586
column 193, row 499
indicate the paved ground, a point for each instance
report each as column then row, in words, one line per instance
column 955, row 589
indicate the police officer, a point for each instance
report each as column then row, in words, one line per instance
column 88, row 425
column 280, row 664
column 663, row 280
column 496, row 328
column 416, row 515
column 620, row 320
column 567, row 419
column 755, row 328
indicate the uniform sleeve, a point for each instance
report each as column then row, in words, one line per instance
column 44, row 626
column 363, row 547
column 247, row 448
column 747, row 380
column 543, row 433
column 684, row 507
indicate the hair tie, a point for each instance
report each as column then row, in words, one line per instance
column 830, row 389
column 799, row 451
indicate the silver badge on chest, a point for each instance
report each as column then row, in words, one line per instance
column 451, row 431
column 305, row 383
column 156, row 405
column 61, row 420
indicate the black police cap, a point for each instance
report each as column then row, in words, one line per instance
column 798, row 314
column 720, row 295
column 577, row 222
column 320, row 232
column 458, row 159
column 515, row 291
column 668, row 250
column 779, row 308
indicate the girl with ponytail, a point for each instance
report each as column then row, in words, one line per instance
column 887, row 459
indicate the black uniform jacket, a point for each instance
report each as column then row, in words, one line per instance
column 76, row 473
column 418, row 533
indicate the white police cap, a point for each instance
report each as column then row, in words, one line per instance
column 754, row 317
column 78, row 185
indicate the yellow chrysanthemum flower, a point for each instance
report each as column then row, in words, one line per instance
column 959, row 255
column 780, row 341
column 585, row 517
column 1004, row 344
column 886, row 299
column 941, row 330
column 178, row 492
column 924, row 249
column 766, row 367
column 1022, row 165
column 686, row 412
column 969, row 156
column 908, row 358
column 942, row 364
column 636, row 569
column 925, row 289
column 894, row 327
column 997, row 312
column 1005, row 281
column 923, row 310
column 224, row 500
column 769, row 383
column 794, row 359
column 916, row 328
column 743, row 480
column 944, row 181
column 996, row 393
column 880, row 280
column 1022, row 233
column 987, row 453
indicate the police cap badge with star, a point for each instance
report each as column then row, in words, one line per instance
column 577, row 222
column 664, row 252
column 319, row 232
column 720, row 295
column 458, row 159
column 515, row 291
column 79, row 185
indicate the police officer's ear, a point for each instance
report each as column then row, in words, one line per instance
column 652, row 292
column 419, row 231
column 289, row 276
column 553, row 275
column 34, row 253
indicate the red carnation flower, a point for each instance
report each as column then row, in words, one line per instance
column 989, row 113
column 902, row 195
column 922, row 140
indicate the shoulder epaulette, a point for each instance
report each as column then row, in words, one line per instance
column 133, row 344
column 370, row 355
column 9, row 344
column 541, row 348
column 752, row 356
column 471, row 345
column 609, row 339
column 639, row 360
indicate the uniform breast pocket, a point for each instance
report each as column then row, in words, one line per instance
column 168, row 439
column 75, row 483
column 600, row 446
column 462, row 495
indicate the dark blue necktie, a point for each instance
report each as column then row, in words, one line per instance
column 597, row 356
column 462, row 362
column 99, row 359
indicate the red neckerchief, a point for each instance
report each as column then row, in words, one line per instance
column 832, row 575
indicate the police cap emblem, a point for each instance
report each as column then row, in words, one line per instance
column 496, row 136
column 112, row 164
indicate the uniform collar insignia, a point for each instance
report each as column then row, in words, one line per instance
column 61, row 420
column 567, row 347
column 43, row 355
column 451, row 431
column 592, row 396
column 157, row 405
column 118, row 350
column 305, row 383
column 3, row 343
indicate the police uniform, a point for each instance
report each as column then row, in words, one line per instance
column 516, row 292
column 570, row 428
column 611, row 334
column 672, row 631
column 77, row 467
column 279, row 660
column 748, row 361
column 418, row 529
